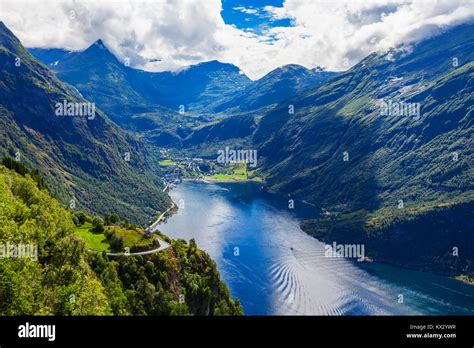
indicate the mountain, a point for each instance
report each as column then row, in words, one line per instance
column 400, row 182
column 243, row 109
column 100, row 77
column 115, row 88
column 276, row 86
column 83, row 156
column 195, row 87
column 123, row 91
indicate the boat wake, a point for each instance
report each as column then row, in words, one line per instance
column 308, row 283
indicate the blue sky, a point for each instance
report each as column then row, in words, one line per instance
column 252, row 16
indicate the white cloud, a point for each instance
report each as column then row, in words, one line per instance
column 184, row 32
column 246, row 10
column 325, row 33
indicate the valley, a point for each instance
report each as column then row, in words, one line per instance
column 261, row 174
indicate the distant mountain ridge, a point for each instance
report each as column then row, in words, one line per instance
column 99, row 75
column 276, row 86
column 194, row 87
column 162, row 105
column 202, row 88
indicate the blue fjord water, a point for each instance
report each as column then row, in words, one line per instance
column 274, row 268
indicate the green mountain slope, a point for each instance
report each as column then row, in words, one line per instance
column 83, row 158
column 397, row 167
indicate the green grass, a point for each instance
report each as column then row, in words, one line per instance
column 241, row 170
column 98, row 241
column 132, row 238
column 237, row 173
column 167, row 163
column 228, row 177
column 94, row 241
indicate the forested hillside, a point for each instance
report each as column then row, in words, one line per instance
column 59, row 277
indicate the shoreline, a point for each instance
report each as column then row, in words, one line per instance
column 462, row 278
column 371, row 259
column 211, row 180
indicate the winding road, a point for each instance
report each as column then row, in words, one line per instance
column 150, row 229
